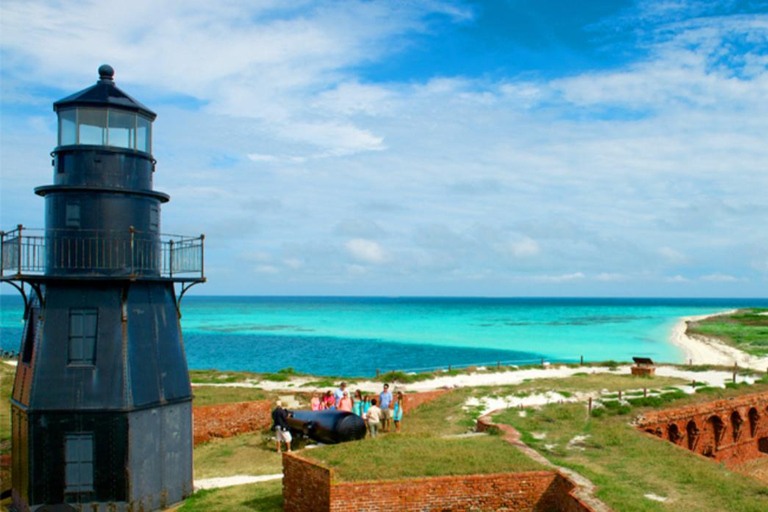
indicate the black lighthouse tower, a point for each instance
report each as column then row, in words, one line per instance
column 101, row 405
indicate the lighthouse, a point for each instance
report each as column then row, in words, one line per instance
column 101, row 405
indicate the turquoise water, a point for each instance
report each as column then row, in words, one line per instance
column 356, row 336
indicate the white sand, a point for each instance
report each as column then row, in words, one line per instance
column 703, row 350
column 11, row 363
column 229, row 481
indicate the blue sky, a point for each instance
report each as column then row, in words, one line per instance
column 507, row 148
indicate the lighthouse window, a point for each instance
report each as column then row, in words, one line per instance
column 154, row 218
column 78, row 456
column 92, row 126
column 144, row 134
column 122, row 129
column 67, row 131
column 73, row 215
column 82, row 336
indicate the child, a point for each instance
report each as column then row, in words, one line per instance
column 374, row 418
column 345, row 403
column 398, row 412
column 315, row 402
column 329, row 401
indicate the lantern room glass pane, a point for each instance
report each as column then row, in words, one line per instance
column 144, row 134
column 122, row 129
column 92, row 126
column 67, row 131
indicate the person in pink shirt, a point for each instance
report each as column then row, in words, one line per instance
column 345, row 403
column 329, row 402
column 315, row 403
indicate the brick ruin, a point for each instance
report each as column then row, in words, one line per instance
column 732, row 431
column 311, row 487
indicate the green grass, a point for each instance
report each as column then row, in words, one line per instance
column 263, row 497
column 746, row 330
column 626, row 464
column 407, row 456
column 219, row 377
column 212, row 395
column 246, row 454
column 6, row 387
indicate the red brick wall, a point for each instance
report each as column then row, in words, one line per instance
column 227, row 420
column 713, row 429
column 304, row 484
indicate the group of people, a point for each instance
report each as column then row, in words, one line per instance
column 376, row 411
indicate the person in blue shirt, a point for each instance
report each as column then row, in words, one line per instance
column 385, row 403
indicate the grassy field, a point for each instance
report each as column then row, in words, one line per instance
column 246, row 454
column 212, row 395
column 264, row 497
column 626, row 465
column 6, row 387
column 747, row 330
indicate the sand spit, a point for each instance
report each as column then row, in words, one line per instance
column 703, row 350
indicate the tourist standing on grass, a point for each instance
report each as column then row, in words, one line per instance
column 345, row 404
column 385, row 399
column 339, row 394
column 329, row 402
column 374, row 418
column 280, row 426
column 397, row 415
column 315, row 403
column 357, row 403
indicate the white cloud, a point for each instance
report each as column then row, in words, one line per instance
column 672, row 255
column 562, row 278
column 677, row 279
column 366, row 251
column 267, row 269
column 524, row 248
column 721, row 278
column 610, row 277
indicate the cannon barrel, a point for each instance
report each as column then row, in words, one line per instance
column 329, row 427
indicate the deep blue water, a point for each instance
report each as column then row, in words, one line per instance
column 357, row 335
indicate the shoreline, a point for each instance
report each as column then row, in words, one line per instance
column 704, row 350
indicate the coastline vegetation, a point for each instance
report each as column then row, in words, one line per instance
column 745, row 329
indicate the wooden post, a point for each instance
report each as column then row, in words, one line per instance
column 582, row 361
column 645, row 392
column 735, row 371
column 378, row 372
column 693, row 383
column 590, row 405
column 619, row 394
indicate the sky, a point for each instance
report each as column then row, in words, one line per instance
column 433, row 148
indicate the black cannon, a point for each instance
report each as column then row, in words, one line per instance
column 329, row 427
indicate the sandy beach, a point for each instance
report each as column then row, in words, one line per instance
column 703, row 350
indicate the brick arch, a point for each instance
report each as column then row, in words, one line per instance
column 674, row 434
column 715, row 427
column 754, row 420
column 736, row 423
column 693, row 432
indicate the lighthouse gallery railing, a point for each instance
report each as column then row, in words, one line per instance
column 133, row 253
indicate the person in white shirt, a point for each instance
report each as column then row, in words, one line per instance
column 374, row 418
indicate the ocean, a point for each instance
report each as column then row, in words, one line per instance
column 355, row 336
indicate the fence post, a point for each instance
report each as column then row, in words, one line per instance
column 590, row 406
column 202, row 256
column 619, row 394
column 645, row 392
column 378, row 372
column 735, row 371
column 582, row 361
column 2, row 252
column 21, row 228
column 133, row 250
column 170, row 259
